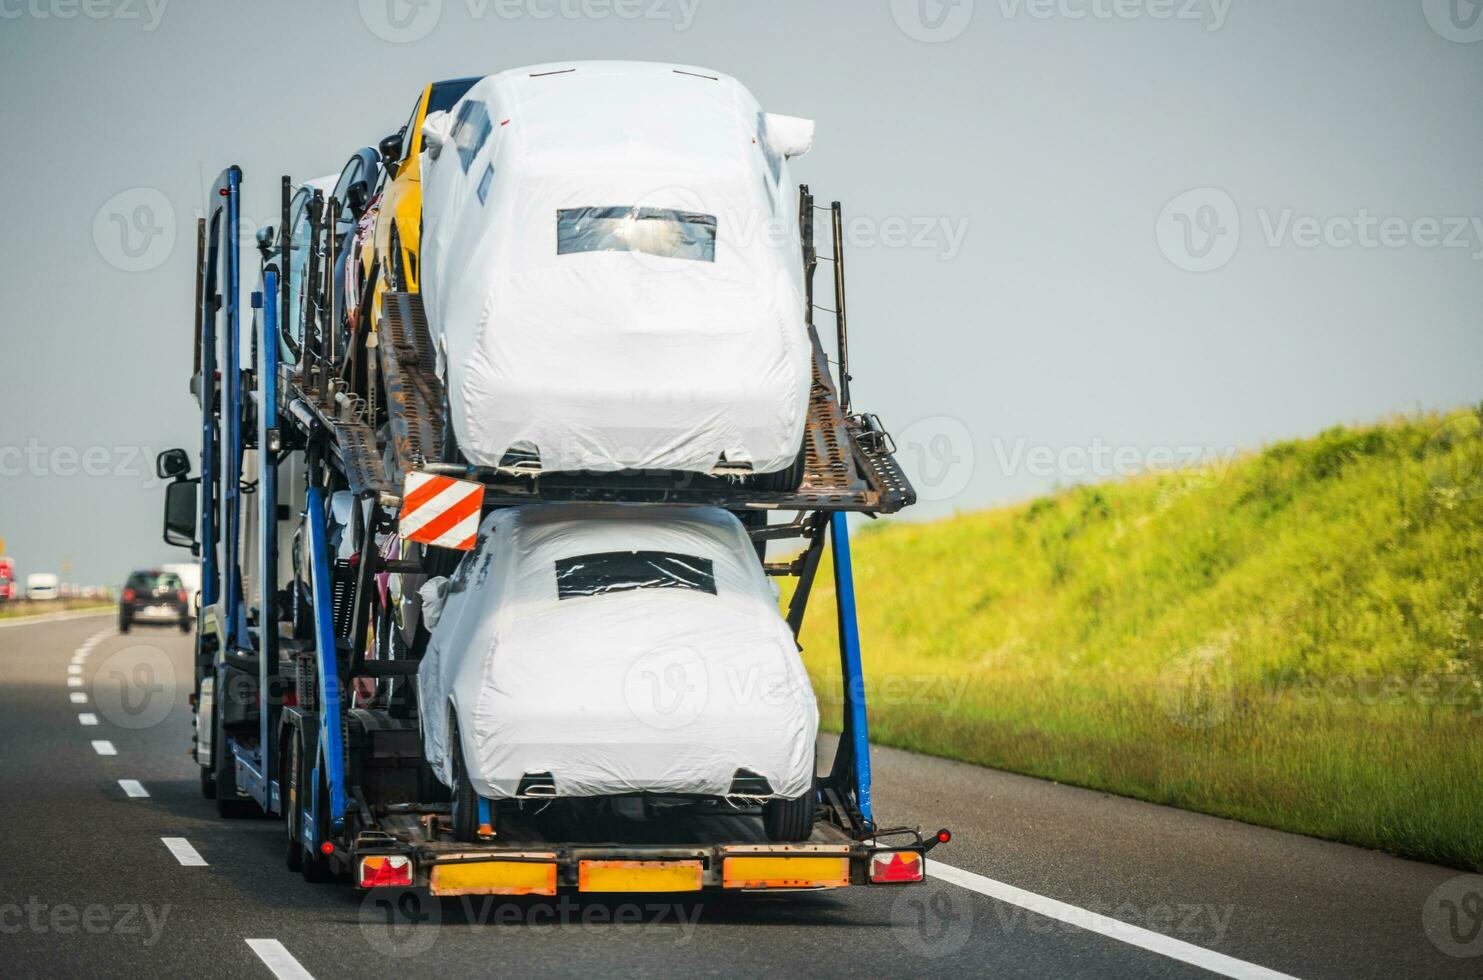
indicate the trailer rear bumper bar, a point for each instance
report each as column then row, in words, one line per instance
column 477, row 869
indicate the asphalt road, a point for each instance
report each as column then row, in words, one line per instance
column 1041, row 880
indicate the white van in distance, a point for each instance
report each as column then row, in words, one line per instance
column 43, row 587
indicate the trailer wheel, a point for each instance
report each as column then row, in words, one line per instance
column 228, row 803
column 208, row 782
column 289, row 774
column 789, row 820
column 316, row 867
column 465, row 800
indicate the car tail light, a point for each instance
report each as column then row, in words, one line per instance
column 896, row 866
column 383, row 870
column 128, row 595
column 180, row 595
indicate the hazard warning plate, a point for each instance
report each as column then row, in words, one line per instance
column 441, row 511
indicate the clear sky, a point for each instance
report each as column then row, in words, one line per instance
column 1086, row 235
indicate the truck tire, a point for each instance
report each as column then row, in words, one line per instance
column 316, row 867
column 288, row 774
column 788, row 479
column 465, row 800
column 789, row 821
column 228, row 803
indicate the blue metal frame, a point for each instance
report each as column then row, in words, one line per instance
column 224, row 193
column 331, row 742
column 855, row 738
column 231, row 412
column 267, row 501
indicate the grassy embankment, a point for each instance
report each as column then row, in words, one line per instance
column 12, row 610
column 1295, row 639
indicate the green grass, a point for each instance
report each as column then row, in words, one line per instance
column 1294, row 639
column 13, row 610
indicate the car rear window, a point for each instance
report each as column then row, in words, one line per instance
column 153, row 581
column 470, row 130
column 622, row 571
column 446, row 94
column 657, row 231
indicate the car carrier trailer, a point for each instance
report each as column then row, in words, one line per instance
column 292, row 617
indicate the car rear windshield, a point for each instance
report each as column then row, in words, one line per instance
column 657, row 231
column 621, row 571
column 446, row 94
column 155, row 581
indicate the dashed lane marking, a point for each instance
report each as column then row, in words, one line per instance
column 187, row 855
column 279, row 960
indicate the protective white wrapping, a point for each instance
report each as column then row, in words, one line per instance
column 664, row 688
column 611, row 267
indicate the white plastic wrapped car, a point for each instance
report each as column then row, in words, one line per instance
column 612, row 272
column 610, row 650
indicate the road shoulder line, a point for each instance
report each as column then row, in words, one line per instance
column 1156, row 942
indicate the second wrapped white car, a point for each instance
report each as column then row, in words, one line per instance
column 611, row 650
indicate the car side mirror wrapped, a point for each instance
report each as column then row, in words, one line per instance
column 435, row 130
column 790, row 136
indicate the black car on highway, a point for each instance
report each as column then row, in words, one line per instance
column 154, row 596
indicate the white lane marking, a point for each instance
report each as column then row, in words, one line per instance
column 188, row 856
column 74, row 682
column 74, row 669
column 103, row 747
column 78, row 697
column 87, row 718
column 1156, row 942
column 279, row 960
column 133, row 788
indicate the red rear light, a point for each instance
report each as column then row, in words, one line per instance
column 380, row 871
column 128, row 595
column 180, row 595
column 896, row 866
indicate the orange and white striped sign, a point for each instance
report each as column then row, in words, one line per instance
column 441, row 511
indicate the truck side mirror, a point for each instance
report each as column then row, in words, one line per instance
column 180, row 514
column 172, row 463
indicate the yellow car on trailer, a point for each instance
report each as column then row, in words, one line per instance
column 398, row 233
